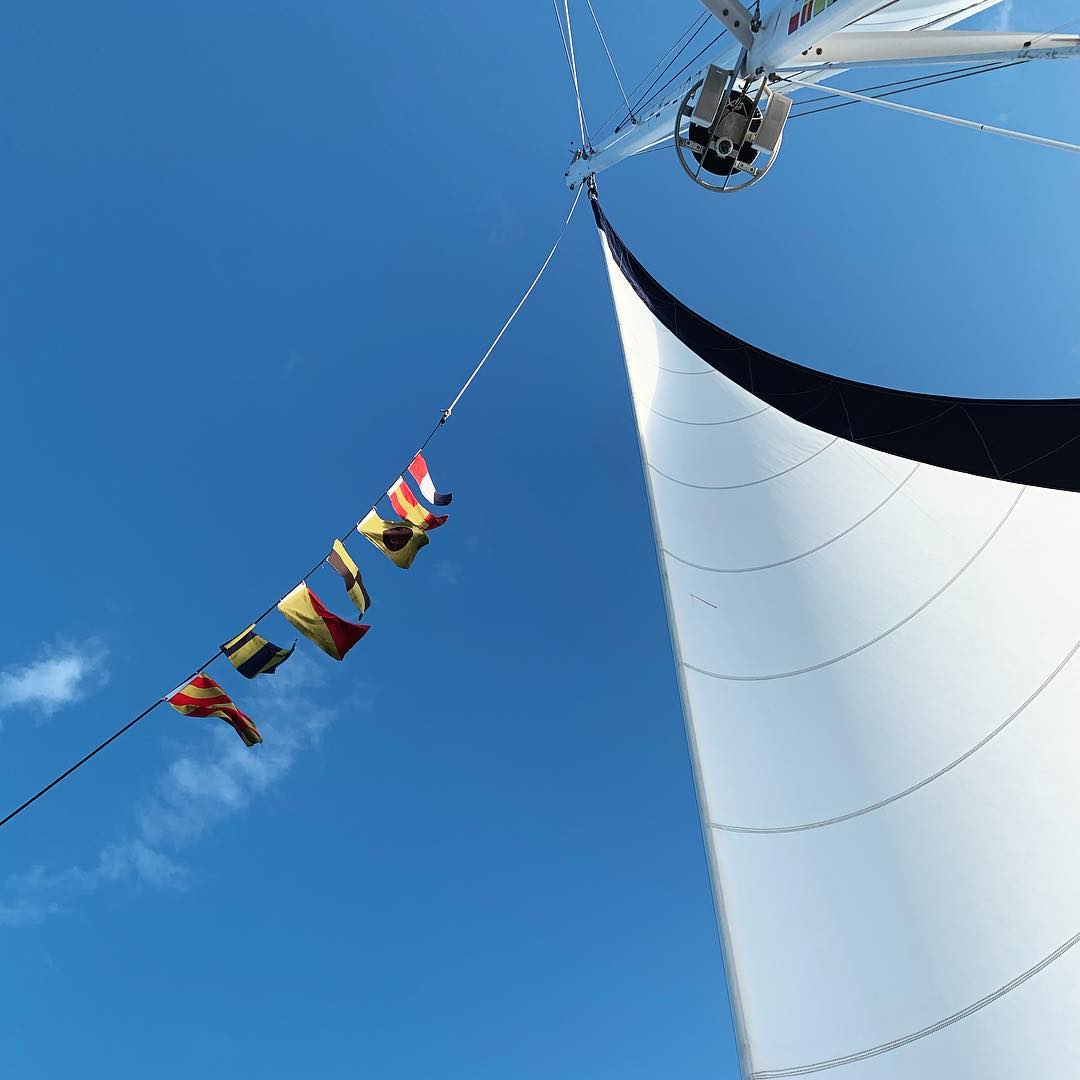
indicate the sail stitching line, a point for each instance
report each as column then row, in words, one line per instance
column 676, row 371
column 847, row 415
column 989, row 456
column 709, row 423
column 866, row 439
column 760, row 829
column 932, row 1029
column 749, row 483
column 885, row 633
column 795, row 558
column 1033, row 461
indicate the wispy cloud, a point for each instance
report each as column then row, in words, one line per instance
column 26, row 911
column 448, row 571
column 61, row 676
column 196, row 792
column 1004, row 15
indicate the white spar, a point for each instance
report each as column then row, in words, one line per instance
column 775, row 49
column 898, row 48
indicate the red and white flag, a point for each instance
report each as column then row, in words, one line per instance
column 419, row 472
column 406, row 506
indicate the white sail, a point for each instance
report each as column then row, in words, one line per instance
column 877, row 662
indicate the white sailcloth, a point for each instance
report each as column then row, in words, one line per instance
column 882, row 697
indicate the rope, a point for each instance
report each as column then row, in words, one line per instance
column 444, row 416
column 614, row 70
column 82, row 761
column 573, row 75
column 520, row 304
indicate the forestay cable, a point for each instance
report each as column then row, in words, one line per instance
column 444, row 416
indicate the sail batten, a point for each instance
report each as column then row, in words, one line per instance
column 877, row 658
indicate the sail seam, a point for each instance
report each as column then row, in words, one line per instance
column 884, row 634
column 932, row 1029
column 765, row 829
column 748, row 483
column 709, row 423
column 795, row 558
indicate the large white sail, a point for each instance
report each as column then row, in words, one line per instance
column 877, row 661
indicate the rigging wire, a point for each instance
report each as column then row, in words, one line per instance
column 942, row 77
column 570, row 67
column 903, row 82
column 585, row 139
column 443, row 417
column 677, row 48
column 921, row 82
column 641, row 106
column 1056, row 30
column 645, row 95
column 957, row 121
column 562, row 34
column 614, row 69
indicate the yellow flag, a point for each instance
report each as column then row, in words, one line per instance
column 399, row 541
column 334, row 635
column 342, row 562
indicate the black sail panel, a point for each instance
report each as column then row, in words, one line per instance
column 1026, row 441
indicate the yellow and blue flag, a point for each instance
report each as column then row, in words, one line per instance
column 252, row 655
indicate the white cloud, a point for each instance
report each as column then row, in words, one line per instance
column 448, row 571
column 196, row 792
column 57, row 679
column 26, row 912
column 1004, row 15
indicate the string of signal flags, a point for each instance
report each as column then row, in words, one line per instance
column 251, row 654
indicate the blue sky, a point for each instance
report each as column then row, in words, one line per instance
column 250, row 249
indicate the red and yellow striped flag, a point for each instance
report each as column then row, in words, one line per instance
column 203, row 697
column 406, row 506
